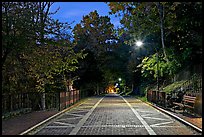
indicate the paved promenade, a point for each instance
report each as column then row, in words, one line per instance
column 113, row 115
column 17, row 125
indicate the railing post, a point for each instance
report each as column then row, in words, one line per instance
column 58, row 100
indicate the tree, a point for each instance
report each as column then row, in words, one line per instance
column 37, row 51
column 94, row 34
column 173, row 20
column 148, row 17
column 186, row 40
column 17, row 27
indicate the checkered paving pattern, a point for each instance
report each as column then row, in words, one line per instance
column 114, row 115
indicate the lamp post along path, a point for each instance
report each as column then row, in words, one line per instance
column 140, row 43
column 157, row 75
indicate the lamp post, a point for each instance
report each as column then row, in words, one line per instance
column 157, row 75
column 119, row 79
column 140, row 43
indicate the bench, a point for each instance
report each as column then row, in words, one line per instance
column 187, row 102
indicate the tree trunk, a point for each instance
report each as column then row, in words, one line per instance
column 43, row 101
column 4, row 56
column 97, row 88
column 162, row 40
column 132, row 87
column 161, row 16
column 65, row 83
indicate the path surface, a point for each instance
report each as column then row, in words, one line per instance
column 16, row 125
column 113, row 115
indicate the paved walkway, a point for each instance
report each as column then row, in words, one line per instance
column 109, row 115
column 16, row 125
column 113, row 115
column 197, row 121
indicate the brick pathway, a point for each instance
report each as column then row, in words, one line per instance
column 16, row 125
column 197, row 121
column 113, row 115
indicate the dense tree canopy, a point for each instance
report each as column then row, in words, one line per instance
column 96, row 34
column 37, row 53
column 176, row 24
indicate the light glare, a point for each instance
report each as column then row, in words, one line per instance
column 139, row 43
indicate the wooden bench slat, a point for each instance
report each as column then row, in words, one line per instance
column 188, row 106
column 189, row 98
column 190, row 101
column 176, row 103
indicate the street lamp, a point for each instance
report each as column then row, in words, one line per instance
column 119, row 79
column 140, row 43
column 157, row 71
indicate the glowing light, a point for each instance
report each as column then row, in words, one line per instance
column 139, row 43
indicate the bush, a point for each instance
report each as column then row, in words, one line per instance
column 16, row 113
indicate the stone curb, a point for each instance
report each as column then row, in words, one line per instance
column 176, row 117
column 48, row 119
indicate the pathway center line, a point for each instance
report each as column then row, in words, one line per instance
column 148, row 128
column 83, row 120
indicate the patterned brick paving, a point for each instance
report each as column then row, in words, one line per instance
column 114, row 115
column 111, row 116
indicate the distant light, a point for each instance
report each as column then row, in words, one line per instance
column 139, row 43
column 119, row 79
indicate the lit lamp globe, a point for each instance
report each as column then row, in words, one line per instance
column 139, row 43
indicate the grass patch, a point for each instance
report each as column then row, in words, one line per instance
column 128, row 93
column 173, row 86
column 142, row 98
